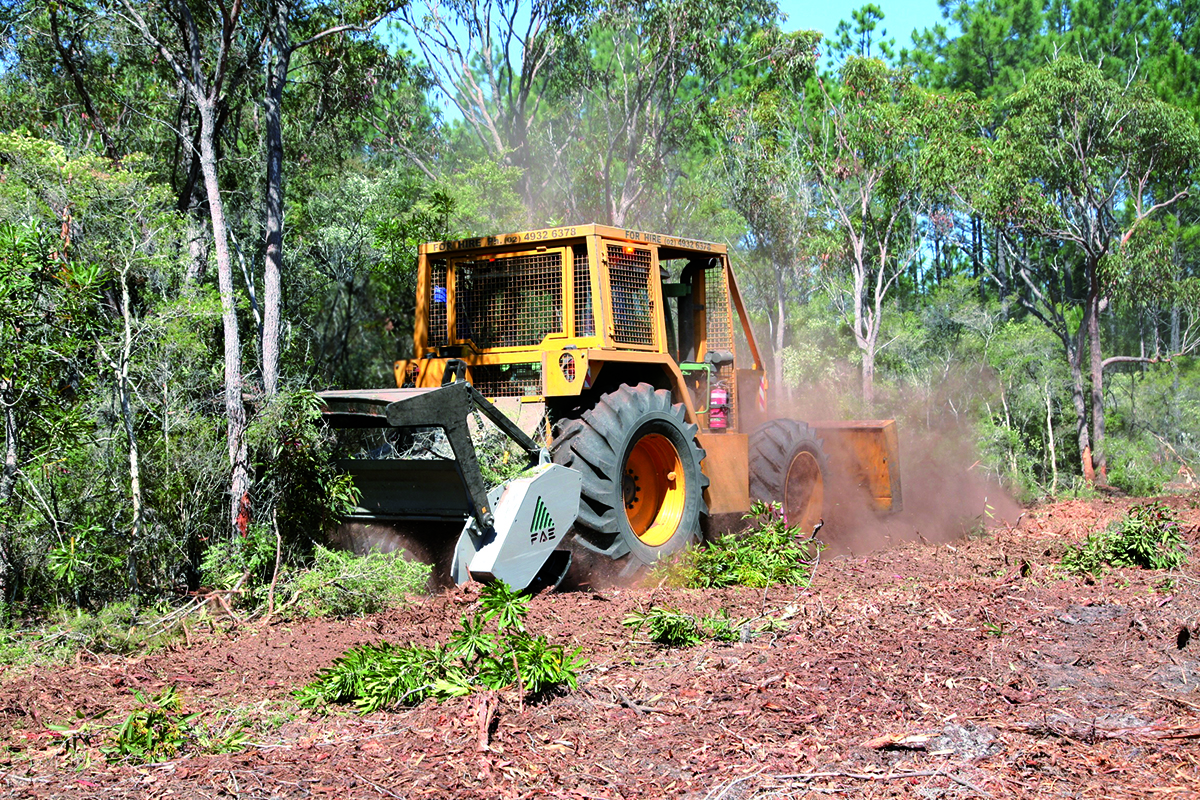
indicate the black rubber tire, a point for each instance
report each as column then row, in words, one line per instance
column 598, row 444
column 783, row 449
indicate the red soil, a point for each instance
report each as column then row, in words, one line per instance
column 968, row 669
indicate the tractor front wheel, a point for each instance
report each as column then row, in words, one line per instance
column 643, row 491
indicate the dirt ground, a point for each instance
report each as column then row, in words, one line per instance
column 967, row 669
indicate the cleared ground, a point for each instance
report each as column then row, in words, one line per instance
column 968, row 669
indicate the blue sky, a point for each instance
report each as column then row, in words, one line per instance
column 900, row 17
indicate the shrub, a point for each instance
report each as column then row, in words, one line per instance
column 116, row 628
column 1148, row 536
column 670, row 627
column 159, row 729
column 225, row 561
column 666, row 626
column 491, row 650
column 343, row 584
column 769, row 552
column 1133, row 467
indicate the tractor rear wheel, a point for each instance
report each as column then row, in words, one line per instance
column 643, row 491
column 788, row 466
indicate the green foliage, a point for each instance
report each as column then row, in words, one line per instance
column 666, row 626
column 155, row 731
column 343, row 584
column 119, row 627
column 1136, row 464
column 1148, row 537
column 240, row 561
column 21, row 648
column 492, row 650
column 769, row 552
column 159, row 729
column 500, row 458
column 671, row 627
column 860, row 39
column 104, row 204
column 299, row 495
column 295, row 476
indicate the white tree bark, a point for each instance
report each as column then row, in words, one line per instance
column 205, row 86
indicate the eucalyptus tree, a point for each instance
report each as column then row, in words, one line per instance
column 314, row 22
column 492, row 61
column 883, row 152
column 80, row 241
column 203, row 51
column 762, row 172
column 654, row 68
column 1080, row 166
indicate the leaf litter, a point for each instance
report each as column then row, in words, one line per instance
column 974, row 669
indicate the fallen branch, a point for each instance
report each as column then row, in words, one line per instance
column 383, row 791
column 625, row 701
column 898, row 741
column 1088, row 733
column 868, row 776
column 485, row 713
column 275, row 574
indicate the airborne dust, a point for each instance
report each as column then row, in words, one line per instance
column 947, row 493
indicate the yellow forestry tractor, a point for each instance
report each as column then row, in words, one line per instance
column 622, row 364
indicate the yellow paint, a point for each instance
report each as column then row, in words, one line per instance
column 654, row 488
column 869, row 452
column 556, row 381
column 726, row 463
column 869, row 448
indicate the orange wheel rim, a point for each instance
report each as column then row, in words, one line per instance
column 654, row 489
column 804, row 491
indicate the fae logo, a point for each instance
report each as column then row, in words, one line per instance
column 542, row 527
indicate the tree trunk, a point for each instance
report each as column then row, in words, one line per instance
column 123, row 392
column 1075, row 359
column 1174, row 326
column 273, row 266
column 235, row 410
column 190, row 202
column 8, row 481
column 1096, row 367
column 1050, row 442
column 780, row 334
column 868, row 377
column 8, row 475
column 197, row 249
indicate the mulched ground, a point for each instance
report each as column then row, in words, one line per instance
column 968, row 669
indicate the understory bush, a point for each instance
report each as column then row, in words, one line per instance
column 671, row 627
column 491, row 650
column 342, row 584
column 160, row 729
column 1148, row 536
column 767, row 553
column 56, row 634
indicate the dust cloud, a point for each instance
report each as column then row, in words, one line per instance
column 946, row 493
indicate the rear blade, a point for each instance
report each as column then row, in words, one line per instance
column 868, row 453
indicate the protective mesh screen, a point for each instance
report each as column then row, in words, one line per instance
column 717, row 316
column 507, row 380
column 438, row 334
column 508, row 302
column 629, row 282
column 719, row 322
column 585, row 320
